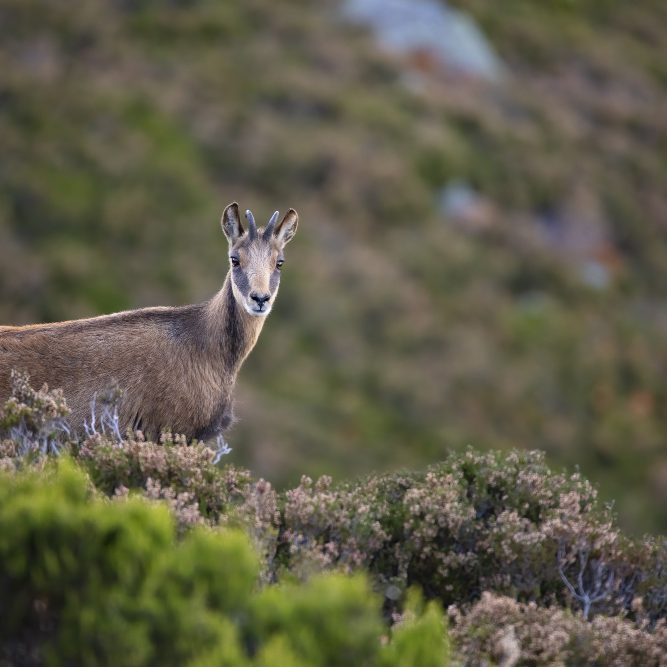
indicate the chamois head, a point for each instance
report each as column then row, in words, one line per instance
column 256, row 257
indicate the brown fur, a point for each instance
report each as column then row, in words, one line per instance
column 176, row 366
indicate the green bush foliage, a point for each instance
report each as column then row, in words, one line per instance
column 328, row 622
column 76, row 573
column 417, row 634
column 89, row 581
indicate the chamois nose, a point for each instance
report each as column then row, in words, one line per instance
column 259, row 299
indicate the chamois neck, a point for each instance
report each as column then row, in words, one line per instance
column 231, row 328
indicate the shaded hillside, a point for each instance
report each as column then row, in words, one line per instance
column 534, row 316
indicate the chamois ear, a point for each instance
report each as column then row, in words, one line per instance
column 286, row 230
column 231, row 223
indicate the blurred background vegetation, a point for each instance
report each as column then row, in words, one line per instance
column 482, row 258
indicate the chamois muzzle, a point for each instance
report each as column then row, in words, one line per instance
column 260, row 299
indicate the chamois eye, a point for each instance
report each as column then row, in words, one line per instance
column 235, row 261
column 279, row 264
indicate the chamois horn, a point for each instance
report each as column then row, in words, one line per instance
column 269, row 228
column 252, row 227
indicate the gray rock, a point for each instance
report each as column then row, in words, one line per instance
column 595, row 275
column 460, row 203
column 457, row 199
column 409, row 26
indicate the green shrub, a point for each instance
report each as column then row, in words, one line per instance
column 419, row 637
column 332, row 620
column 74, row 571
column 89, row 581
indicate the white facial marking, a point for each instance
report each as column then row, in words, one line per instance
column 258, row 267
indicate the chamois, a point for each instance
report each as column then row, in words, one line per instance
column 175, row 366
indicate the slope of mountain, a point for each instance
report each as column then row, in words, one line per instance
column 477, row 263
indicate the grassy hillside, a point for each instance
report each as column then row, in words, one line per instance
column 400, row 333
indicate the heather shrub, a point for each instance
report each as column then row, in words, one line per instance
column 500, row 630
column 33, row 426
column 500, row 522
column 259, row 516
column 32, row 422
column 184, row 476
column 166, row 470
